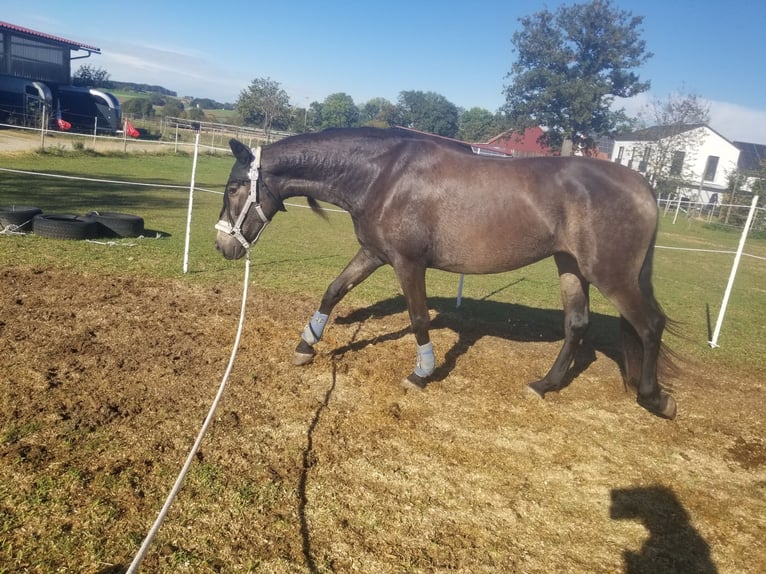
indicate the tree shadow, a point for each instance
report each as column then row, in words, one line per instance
column 674, row 545
column 480, row 318
column 55, row 195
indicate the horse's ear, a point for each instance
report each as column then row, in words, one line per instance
column 241, row 151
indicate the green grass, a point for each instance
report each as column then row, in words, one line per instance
column 300, row 254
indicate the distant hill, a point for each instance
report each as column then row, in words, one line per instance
column 133, row 87
column 204, row 103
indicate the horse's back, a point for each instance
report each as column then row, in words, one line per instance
column 483, row 215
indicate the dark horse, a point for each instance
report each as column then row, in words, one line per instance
column 419, row 201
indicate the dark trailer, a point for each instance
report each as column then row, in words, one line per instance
column 87, row 109
column 22, row 101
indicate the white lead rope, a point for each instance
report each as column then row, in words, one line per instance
column 161, row 517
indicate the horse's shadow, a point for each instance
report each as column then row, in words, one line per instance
column 475, row 319
column 674, row 545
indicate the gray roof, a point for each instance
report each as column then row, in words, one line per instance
column 751, row 156
column 656, row 133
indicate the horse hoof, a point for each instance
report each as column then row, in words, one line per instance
column 537, row 388
column 664, row 406
column 414, row 382
column 300, row 359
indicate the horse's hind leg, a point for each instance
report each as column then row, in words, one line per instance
column 358, row 269
column 576, row 301
column 645, row 321
column 412, row 278
column 632, row 354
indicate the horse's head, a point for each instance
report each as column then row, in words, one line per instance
column 248, row 204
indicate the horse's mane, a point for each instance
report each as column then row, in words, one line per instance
column 312, row 144
column 391, row 135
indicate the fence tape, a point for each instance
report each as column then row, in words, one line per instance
column 184, row 187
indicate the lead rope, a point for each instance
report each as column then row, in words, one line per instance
column 174, row 491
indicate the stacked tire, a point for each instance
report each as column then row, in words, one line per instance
column 18, row 218
column 70, row 226
column 63, row 226
column 110, row 224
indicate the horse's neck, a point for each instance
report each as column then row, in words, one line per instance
column 322, row 189
column 332, row 180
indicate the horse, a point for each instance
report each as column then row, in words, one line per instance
column 418, row 201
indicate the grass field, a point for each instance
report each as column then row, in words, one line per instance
column 111, row 355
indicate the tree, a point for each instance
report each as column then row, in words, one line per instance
column 173, row 109
column 138, row 108
column 91, row 76
column 196, row 113
column 379, row 112
column 477, row 125
column 570, row 66
column 670, row 119
column 339, row 111
column 264, row 103
column 314, row 116
column 428, row 112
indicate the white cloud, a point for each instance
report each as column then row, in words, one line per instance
column 738, row 123
column 186, row 72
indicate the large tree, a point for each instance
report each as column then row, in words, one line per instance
column 570, row 66
column 265, row 104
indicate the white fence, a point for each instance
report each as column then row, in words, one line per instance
column 724, row 214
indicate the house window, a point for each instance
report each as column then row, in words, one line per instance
column 677, row 165
column 620, row 153
column 633, row 154
column 644, row 163
column 710, row 167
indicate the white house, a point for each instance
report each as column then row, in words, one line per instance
column 695, row 158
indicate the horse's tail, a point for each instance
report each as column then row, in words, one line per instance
column 668, row 360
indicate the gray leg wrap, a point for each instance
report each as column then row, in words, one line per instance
column 313, row 331
column 425, row 365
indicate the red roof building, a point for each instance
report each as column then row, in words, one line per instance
column 518, row 145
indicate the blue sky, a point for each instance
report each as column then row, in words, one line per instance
column 461, row 50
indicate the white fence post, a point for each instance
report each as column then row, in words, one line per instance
column 191, row 202
column 714, row 341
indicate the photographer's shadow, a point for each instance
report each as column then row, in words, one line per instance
column 674, row 545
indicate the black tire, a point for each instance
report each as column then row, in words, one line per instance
column 63, row 226
column 116, row 224
column 18, row 217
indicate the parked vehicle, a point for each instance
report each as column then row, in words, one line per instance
column 22, row 101
column 88, row 109
column 77, row 108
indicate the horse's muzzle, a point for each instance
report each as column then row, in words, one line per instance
column 229, row 246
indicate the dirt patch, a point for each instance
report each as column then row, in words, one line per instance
column 333, row 467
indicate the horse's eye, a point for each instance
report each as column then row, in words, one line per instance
column 232, row 187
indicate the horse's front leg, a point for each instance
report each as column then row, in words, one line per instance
column 412, row 278
column 358, row 269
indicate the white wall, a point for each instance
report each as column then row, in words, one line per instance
column 709, row 144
